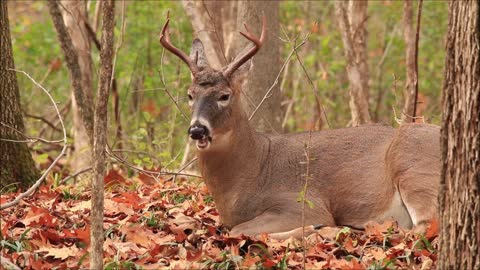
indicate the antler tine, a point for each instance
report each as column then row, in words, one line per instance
column 165, row 41
column 258, row 42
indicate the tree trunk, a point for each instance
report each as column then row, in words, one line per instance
column 352, row 22
column 205, row 17
column 16, row 162
column 83, row 98
column 409, row 37
column 266, row 63
column 100, row 133
column 74, row 16
column 460, row 180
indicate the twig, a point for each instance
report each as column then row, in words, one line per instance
column 43, row 119
column 147, row 172
column 63, row 111
column 28, row 138
column 215, row 31
column 64, row 180
column 162, row 78
column 314, row 88
column 33, row 188
column 269, row 91
column 183, row 168
column 417, row 38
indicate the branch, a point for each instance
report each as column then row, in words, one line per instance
column 268, row 94
column 417, row 38
column 43, row 119
column 28, row 139
column 33, row 188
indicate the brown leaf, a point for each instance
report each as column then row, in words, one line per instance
column 59, row 253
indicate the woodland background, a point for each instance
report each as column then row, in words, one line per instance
column 149, row 121
column 158, row 214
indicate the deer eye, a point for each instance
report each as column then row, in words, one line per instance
column 224, row 97
column 190, row 97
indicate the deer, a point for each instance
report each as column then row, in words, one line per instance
column 371, row 172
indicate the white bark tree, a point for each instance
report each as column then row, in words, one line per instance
column 74, row 15
column 352, row 19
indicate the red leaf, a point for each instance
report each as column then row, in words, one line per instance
column 113, row 177
column 194, row 255
column 84, row 234
column 432, row 230
column 269, row 263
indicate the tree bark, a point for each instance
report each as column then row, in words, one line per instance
column 100, row 133
column 83, row 99
column 352, row 21
column 266, row 63
column 409, row 37
column 75, row 16
column 460, row 140
column 16, row 161
column 205, row 17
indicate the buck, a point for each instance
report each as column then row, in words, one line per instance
column 360, row 174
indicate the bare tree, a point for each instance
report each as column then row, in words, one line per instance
column 75, row 15
column 205, row 17
column 265, row 65
column 352, row 18
column 411, row 52
column 100, row 133
column 16, row 161
column 460, row 140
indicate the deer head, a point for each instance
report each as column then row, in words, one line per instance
column 214, row 96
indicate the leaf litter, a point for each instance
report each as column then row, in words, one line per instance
column 166, row 225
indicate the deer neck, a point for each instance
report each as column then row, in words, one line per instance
column 236, row 169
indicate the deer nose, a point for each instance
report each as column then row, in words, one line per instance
column 197, row 132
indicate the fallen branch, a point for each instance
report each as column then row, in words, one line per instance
column 33, row 188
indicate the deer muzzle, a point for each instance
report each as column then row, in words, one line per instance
column 200, row 133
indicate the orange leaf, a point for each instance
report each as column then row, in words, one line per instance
column 113, row 177
column 433, row 229
column 269, row 263
column 194, row 255
column 84, row 234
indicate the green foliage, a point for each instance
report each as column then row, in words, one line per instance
column 15, row 245
column 153, row 125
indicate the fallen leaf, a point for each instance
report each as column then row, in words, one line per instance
column 59, row 253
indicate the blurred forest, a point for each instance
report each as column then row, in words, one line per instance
column 126, row 196
column 156, row 129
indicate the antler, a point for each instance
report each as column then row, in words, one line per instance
column 165, row 41
column 250, row 53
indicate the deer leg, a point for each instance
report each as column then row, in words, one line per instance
column 283, row 224
column 420, row 200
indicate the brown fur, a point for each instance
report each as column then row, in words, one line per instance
column 370, row 172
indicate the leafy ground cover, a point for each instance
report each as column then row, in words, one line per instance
column 174, row 225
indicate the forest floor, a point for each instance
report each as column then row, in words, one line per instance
column 167, row 225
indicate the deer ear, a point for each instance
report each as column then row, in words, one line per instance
column 197, row 52
column 240, row 75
